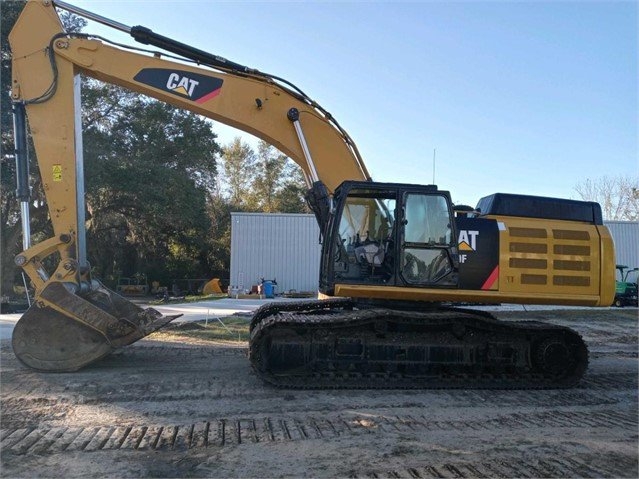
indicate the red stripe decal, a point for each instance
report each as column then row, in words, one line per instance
column 207, row 97
column 492, row 279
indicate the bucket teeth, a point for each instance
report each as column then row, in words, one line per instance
column 152, row 320
column 146, row 322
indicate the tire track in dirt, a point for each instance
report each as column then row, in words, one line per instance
column 31, row 408
column 197, row 387
column 227, row 432
column 614, row 465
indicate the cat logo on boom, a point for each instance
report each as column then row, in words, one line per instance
column 181, row 85
column 189, row 85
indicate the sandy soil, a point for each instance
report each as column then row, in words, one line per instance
column 167, row 409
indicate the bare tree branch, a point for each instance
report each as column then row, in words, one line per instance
column 618, row 196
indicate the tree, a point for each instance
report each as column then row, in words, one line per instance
column 149, row 170
column 269, row 177
column 239, row 165
column 218, row 252
column 278, row 185
column 618, row 196
column 291, row 196
column 10, row 232
column 265, row 181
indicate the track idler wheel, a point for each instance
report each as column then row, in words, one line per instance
column 66, row 332
column 553, row 356
column 562, row 357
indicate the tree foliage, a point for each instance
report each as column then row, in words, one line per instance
column 10, row 233
column 239, row 167
column 278, row 184
column 618, row 196
column 265, row 181
column 218, row 251
column 149, row 168
column 9, row 12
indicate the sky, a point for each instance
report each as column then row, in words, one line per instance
column 515, row 97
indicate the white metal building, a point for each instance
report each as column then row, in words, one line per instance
column 277, row 246
column 286, row 247
column 626, row 237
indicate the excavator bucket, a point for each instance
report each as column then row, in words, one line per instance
column 64, row 331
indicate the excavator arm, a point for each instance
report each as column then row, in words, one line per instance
column 48, row 63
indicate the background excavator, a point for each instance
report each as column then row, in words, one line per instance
column 393, row 255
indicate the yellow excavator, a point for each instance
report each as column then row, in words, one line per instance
column 395, row 257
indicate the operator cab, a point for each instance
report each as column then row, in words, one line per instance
column 389, row 234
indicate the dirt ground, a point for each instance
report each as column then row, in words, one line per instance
column 168, row 408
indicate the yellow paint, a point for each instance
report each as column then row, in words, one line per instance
column 480, row 296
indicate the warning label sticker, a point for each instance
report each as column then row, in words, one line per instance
column 57, row 173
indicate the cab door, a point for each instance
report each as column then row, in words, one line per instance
column 428, row 255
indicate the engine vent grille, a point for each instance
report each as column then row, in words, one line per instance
column 544, row 258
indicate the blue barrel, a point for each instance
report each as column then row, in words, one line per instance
column 269, row 289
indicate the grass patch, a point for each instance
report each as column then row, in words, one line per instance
column 233, row 329
column 189, row 299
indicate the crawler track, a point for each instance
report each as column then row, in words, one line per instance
column 332, row 344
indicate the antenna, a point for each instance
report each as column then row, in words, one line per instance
column 434, row 155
